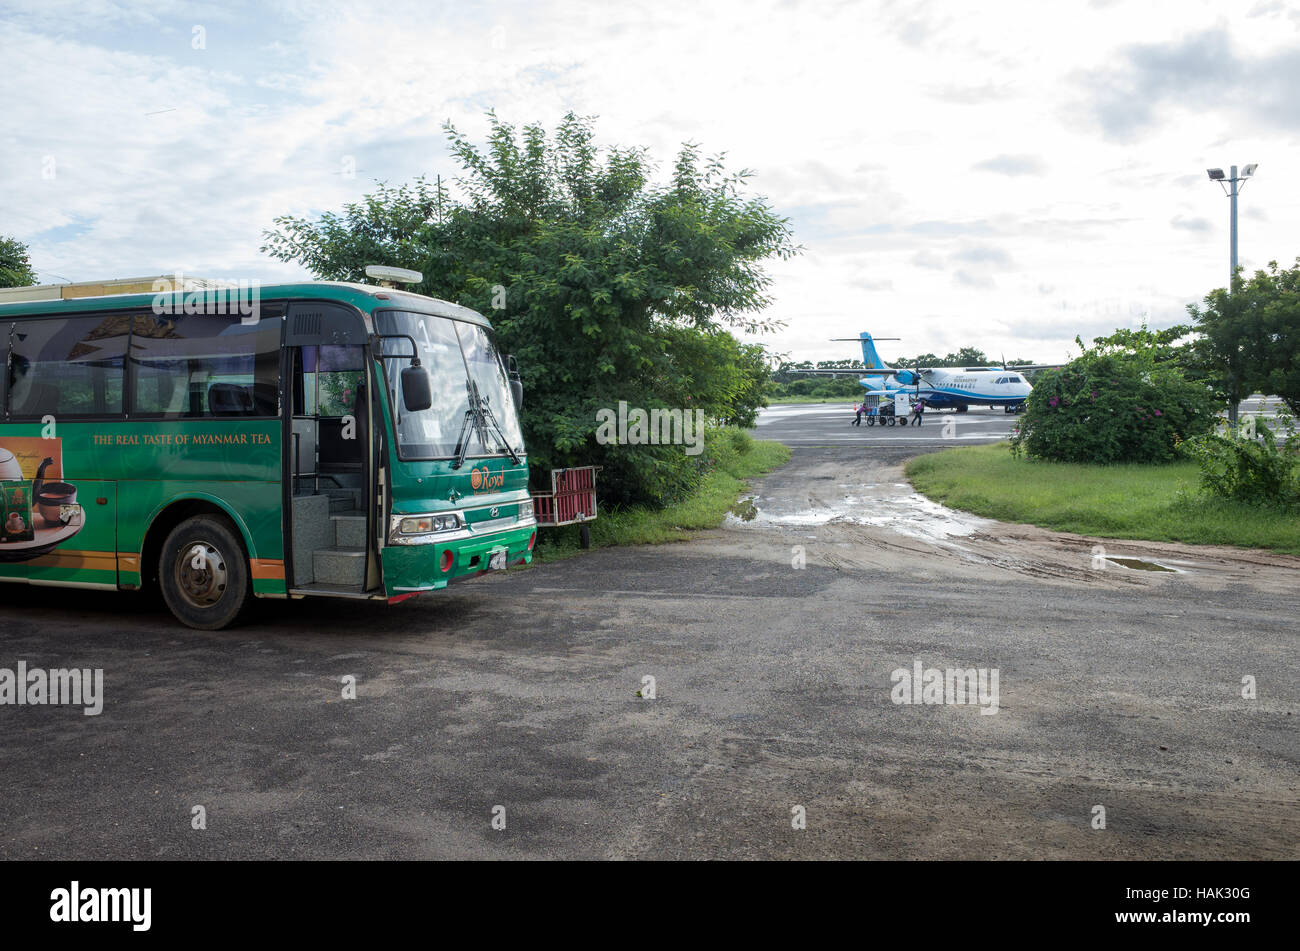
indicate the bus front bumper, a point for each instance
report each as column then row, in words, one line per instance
column 411, row 569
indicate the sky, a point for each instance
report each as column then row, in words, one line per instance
column 997, row 175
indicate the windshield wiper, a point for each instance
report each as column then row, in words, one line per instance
column 462, row 444
column 486, row 413
column 479, row 415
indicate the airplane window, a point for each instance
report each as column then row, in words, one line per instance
column 1013, row 379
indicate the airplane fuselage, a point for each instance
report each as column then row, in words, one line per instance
column 942, row 387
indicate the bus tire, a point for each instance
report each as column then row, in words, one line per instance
column 203, row 573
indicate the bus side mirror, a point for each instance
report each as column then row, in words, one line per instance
column 417, row 393
column 516, row 385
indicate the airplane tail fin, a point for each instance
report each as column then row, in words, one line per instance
column 870, row 359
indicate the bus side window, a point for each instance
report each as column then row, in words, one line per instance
column 200, row 365
column 67, row 367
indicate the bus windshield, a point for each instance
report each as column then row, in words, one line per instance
column 455, row 353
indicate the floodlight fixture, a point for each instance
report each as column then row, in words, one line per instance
column 1232, row 184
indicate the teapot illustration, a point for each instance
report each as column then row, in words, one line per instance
column 10, row 470
column 40, row 475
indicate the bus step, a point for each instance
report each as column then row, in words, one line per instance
column 337, row 591
column 349, row 531
column 339, row 566
column 311, row 530
column 344, row 500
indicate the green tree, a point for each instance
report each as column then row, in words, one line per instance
column 1170, row 345
column 1251, row 338
column 968, row 357
column 595, row 277
column 15, row 265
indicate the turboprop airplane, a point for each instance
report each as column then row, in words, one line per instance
column 941, row 387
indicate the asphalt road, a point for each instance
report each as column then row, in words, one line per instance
column 518, row 693
column 830, row 424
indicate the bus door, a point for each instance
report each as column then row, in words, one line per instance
column 330, row 473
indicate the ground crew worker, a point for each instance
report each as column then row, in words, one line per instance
column 918, row 410
column 857, row 411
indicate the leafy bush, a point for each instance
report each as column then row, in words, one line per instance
column 1247, row 465
column 656, row 476
column 1112, row 407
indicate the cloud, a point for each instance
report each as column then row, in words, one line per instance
column 1134, row 92
column 949, row 172
column 985, row 255
column 1190, row 224
column 964, row 278
column 1012, row 165
column 972, row 95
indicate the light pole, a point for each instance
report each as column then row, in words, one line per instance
column 1232, row 185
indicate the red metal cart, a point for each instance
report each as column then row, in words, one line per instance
column 571, row 501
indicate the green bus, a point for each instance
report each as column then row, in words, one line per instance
column 345, row 440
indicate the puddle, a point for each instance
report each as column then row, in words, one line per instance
column 745, row 509
column 1139, row 565
column 890, row 505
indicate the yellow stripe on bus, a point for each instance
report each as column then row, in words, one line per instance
column 97, row 560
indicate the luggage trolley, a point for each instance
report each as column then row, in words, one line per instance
column 571, row 501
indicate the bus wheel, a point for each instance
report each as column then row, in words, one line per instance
column 203, row 573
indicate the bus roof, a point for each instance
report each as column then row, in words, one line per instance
column 365, row 297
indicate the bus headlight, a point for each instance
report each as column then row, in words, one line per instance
column 427, row 524
column 525, row 510
column 405, row 528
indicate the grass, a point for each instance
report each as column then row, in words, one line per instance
column 705, row 508
column 1151, row 502
column 791, row 400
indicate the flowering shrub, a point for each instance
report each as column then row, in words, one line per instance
column 1107, row 407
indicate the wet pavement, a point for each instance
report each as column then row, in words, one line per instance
column 679, row 701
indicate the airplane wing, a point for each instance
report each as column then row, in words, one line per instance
column 1009, row 368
